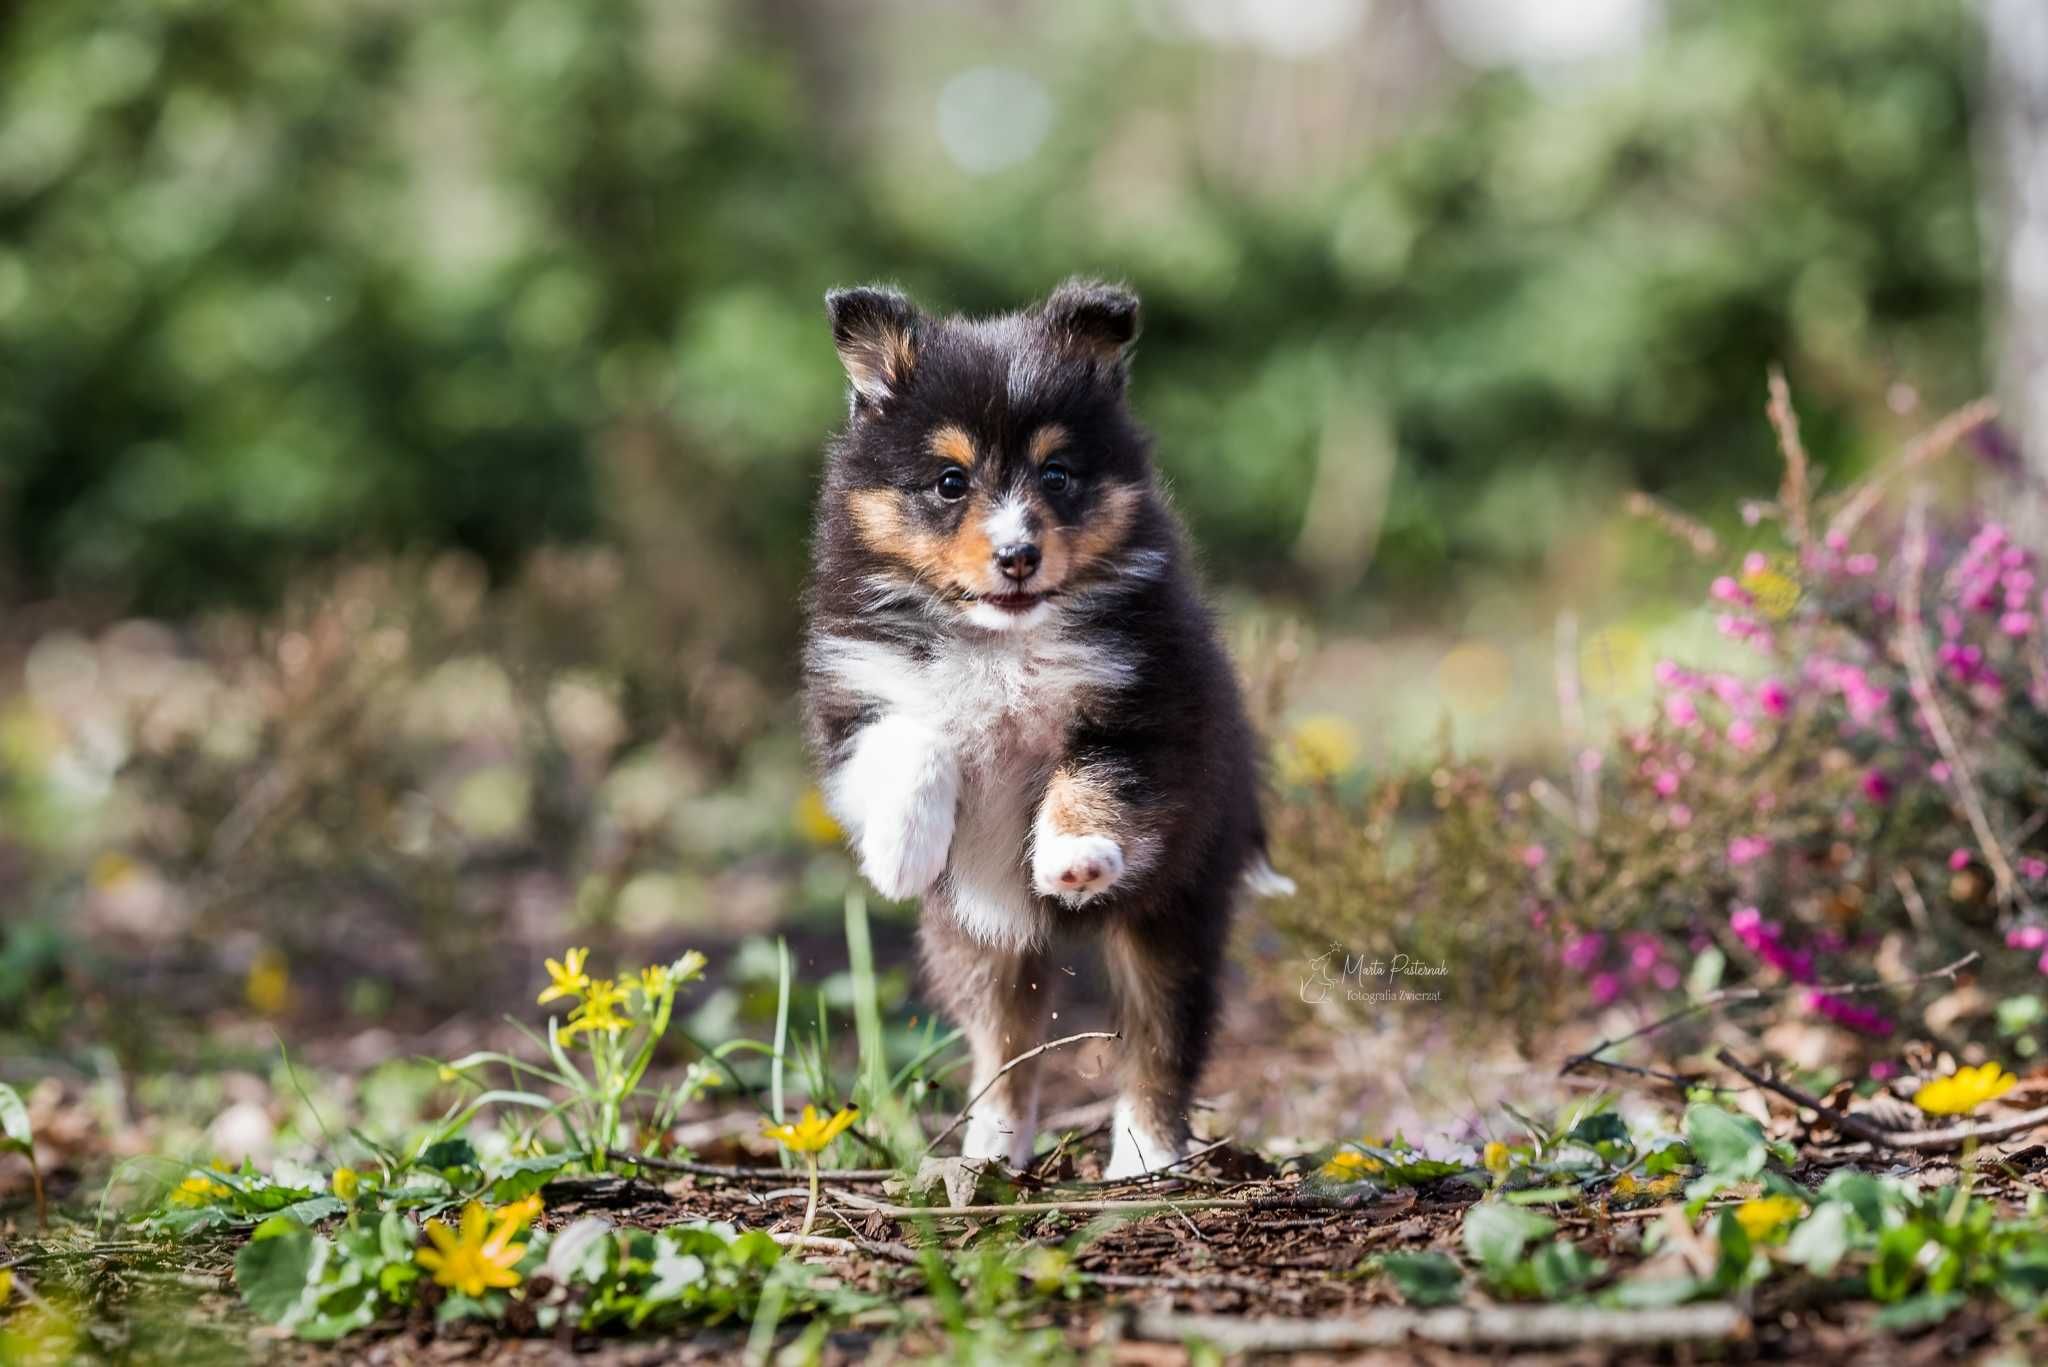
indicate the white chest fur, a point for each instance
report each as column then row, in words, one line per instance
column 1000, row 705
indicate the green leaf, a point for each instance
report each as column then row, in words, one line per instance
column 521, row 1177
column 1496, row 1234
column 15, row 1131
column 1897, row 1264
column 1867, row 1196
column 1561, row 1268
column 273, row 1268
column 1821, row 1240
column 1595, row 1130
column 1541, row 1196
column 1424, row 1279
column 1730, row 1146
column 1671, row 1158
column 1657, row 1293
column 1919, row 1312
column 449, row 1153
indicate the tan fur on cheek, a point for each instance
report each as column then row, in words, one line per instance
column 958, row 562
column 1072, row 551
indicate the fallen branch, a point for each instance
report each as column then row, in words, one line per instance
column 1154, row 1205
column 820, row 1243
column 1730, row 996
column 1504, row 1325
column 1024, row 1057
column 1916, row 1141
column 733, row 1173
column 1249, row 1286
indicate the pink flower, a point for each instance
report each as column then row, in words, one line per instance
column 1581, row 952
column 1666, row 783
column 1884, row 1070
column 1726, row 590
column 2033, row 869
column 1680, row 709
column 2016, row 623
column 1877, row 786
column 1742, row 733
column 1747, row 849
column 1605, row 987
column 1958, row 859
column 1679, row 815
column 1861, row 565
column 1773, row 697
column 1533, row 856
column 1756, row 562
column 1847, row 1013
column 1590, row 760
column 2029, row 938
column 1665, row 976
column 1938, row 771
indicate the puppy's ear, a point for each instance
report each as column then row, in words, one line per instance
column 875, row 329
column 1093, row 317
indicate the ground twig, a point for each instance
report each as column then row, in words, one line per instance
column 1731, row 996
column 1915, row 1141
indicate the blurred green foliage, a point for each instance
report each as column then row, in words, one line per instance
column 285, row 278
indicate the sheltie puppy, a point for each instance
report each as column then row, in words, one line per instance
column 1016, row 699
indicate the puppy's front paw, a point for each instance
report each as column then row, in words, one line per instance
column 1075, row 868
column 904, row 853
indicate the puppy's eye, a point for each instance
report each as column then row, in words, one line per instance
column 952, row 485
column 1054, row 477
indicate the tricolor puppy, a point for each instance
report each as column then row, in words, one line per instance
column 1018, row 701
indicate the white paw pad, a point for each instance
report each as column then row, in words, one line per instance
column 1075, row 868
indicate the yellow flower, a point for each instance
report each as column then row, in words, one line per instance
column 1319, row 750
column 813, row 822
column 599, row 1010
column 567, row 978
column 689, row 968
column 1964, row 1090
column 6, row 1286
column 198, row 1190
column 1775, row 594
column 346, row 1183
column 654, row 980
column 1496, row 1158
column 812, row 1133
column 1349, row 1165
column 269, row 984
column 517, row 1215
column 477, row 1256
column 1630, row 1187
column 1766, row 1215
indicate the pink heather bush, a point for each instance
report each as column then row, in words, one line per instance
column 1861, row 784
column 1797, row 814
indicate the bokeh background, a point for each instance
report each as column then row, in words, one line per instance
column 409, row 415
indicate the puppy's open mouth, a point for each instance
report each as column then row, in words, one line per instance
column 1018, row 602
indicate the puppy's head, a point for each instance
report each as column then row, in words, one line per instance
column 989, row 467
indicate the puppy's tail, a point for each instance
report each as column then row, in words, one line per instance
column 1261, row 879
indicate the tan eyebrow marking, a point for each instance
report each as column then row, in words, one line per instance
column 950, row 443
column 1045, row 441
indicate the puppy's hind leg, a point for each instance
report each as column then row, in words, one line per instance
column 1000, row 999
column 1166, row 992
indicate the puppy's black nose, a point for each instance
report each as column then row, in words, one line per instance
column 1020, row 561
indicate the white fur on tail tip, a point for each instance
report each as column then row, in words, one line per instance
column 995, row 1132
column 1139, row 1148
column 898, row 791
column 1263, row 880
column 1074, row 868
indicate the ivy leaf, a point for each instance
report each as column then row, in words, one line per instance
column 1821, row 1240
column 521, row 1177
column 1918, row 1312
column 449, row 1153
column 1496, row 1234
column 1730, row 1146
column 1424, row 1279
column 1595, row 1130
column 15, row 1133
column 273, row 1268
